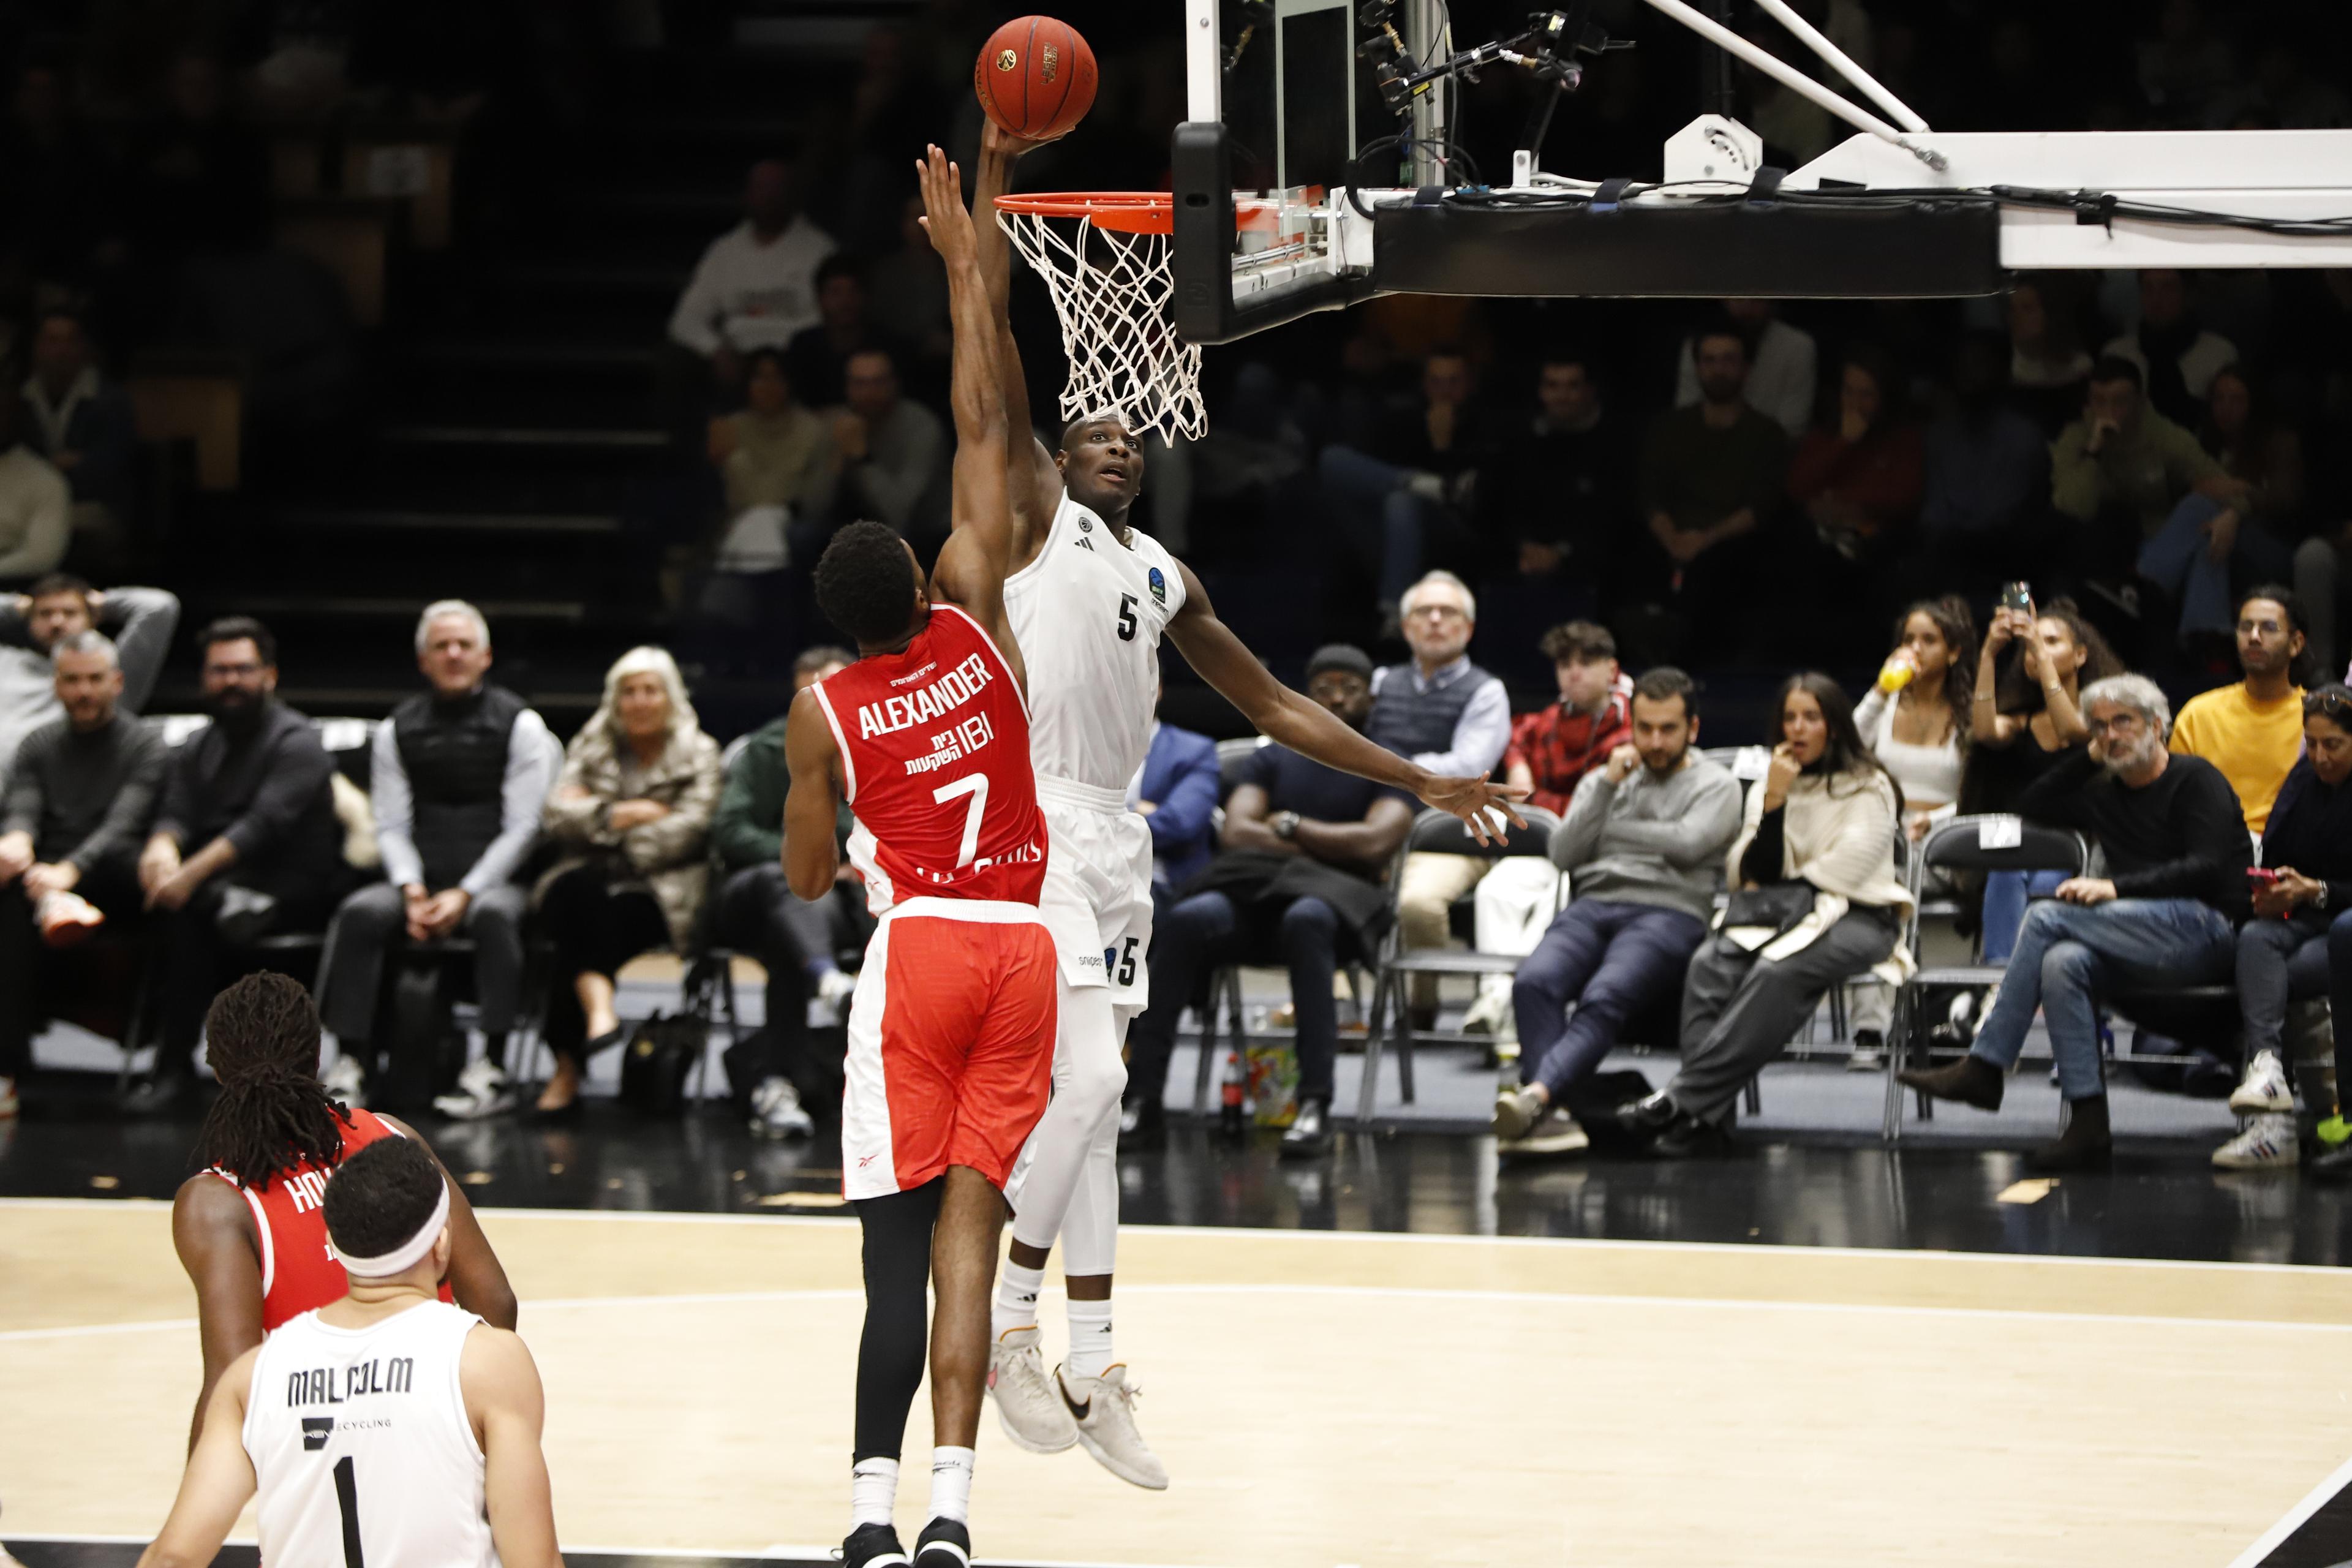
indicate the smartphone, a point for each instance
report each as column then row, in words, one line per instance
column 2261, row 874
column 2016, row 597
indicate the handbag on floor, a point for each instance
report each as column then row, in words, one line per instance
column 660, row 1053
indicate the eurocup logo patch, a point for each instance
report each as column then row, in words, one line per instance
column 1110, row 956
column 1158, row 587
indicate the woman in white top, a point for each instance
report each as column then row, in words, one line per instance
column 1916, row 719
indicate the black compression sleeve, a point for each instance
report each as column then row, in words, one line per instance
column 890, row 1353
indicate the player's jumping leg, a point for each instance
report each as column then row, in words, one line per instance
column 1092, row 1385
column 897, row 1265
column 963, row 1263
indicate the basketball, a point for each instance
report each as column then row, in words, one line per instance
column 1035, row 77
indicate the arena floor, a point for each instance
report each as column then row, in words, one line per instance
column 1327, row 1398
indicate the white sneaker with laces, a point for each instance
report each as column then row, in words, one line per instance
column 1104, row 1408
column 2265, row 1086
column 482, row 1091
column 830, row 1005
column 1491, row 1013
column 346, row 1081
column 1555, row 1132
column 2268, row 1144
column 1028, row 1406
column 776, row 1111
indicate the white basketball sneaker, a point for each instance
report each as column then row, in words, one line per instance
column 1105, row 1409
column 2268, row 1144
column 1027, row 1405
column 346, row 1081
column 2265, row 1086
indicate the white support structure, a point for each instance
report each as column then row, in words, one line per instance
column 1843, row 63
column 1205, row 63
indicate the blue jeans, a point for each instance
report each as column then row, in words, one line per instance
column 2288, row 961
column 1206, row 930
column 2175, row 561
column 1388, row 523
column 1613, row 961
column 2067, row 954
column 2005, row 895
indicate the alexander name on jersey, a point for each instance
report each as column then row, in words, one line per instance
column 934, row 700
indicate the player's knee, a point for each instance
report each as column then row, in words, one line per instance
column 1094, row 1084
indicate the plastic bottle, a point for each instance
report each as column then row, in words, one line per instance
column 1229, row 1113
column 1895, row 673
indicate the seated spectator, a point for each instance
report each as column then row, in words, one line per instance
column 1782, row 379
column 1819, row 831
column 755, row 287
column 1710, row 475
column 817, row 361
column 771, row 455
column 1562, row 483
column 2165, row 914
column 1393, row 499
column 1299, row 877
column 35, row 505
column 2266, row 458
column 756, row 911
column 885, row 459
column 2291, row 951
column 2026, row 717
column 1915, row 720
column 82, row 423
column 245, row 845
column 631, row 814
column 2142, row 489
column 2253, row 729
column 1857, row 478
column 1550, row 752
column 1450, row 717
column 458, row 777
column 1176, row 792
column 2048, row 367
column 1642, row 843
column 1985, row 478
column 75, row 811
column 140, row 621
column 2176, row 356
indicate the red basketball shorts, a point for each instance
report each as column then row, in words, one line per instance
column 950, row 1044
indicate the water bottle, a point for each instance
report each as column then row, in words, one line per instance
column 1895, row 673
column 1229, row 1114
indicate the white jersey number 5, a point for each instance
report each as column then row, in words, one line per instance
column 976, row 786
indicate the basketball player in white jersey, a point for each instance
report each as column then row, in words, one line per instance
column 1089, row 599
column 388, row 1429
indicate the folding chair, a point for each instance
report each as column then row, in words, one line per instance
column 1980, row 843
column 1434, row 833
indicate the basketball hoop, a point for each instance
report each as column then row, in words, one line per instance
column 1106, row 260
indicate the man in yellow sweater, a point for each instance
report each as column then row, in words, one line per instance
column 2253, row 730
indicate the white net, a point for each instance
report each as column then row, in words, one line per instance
column 1112, row 290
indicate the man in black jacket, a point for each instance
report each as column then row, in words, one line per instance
column 247, row 844
column 1303, row 846
column 2165, row 914
column 460, row 775
column 77, row 807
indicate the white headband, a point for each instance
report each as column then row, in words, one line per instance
column 404, row 1256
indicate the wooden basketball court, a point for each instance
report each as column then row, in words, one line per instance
column 1328, row 1399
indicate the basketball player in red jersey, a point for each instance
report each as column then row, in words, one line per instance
column 248, row 1227
column 1090, row 599
column 951, row 1025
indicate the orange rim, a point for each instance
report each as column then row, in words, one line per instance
column 1140, row 212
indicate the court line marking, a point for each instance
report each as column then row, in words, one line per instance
column 2292, row 1520
column 698, row 1553
column 1729, row 1249
column 1353, row 1292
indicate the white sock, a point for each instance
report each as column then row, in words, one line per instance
column 1016, row 1306
column 873, row 1491
column 1089, row 1339
column 951, row 1484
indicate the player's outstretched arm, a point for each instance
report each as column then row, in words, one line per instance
column 212, row 1230
column 219, row 1478
column 477, row 1278
column 812, row 858
column 509, row 1409
column 973, row 564
column 1036, row 479
column 1209, row 647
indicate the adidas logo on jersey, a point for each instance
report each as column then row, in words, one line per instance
column 1087, row 545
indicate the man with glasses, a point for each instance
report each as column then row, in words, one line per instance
column 1450, row 717
column 247, row 844
column 2164, row 915
column 2253, row 730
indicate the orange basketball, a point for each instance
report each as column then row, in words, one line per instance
column 1035, row 77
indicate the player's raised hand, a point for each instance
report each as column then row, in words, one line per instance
column 996, row 140
column 1481, row 803
column 945, row 217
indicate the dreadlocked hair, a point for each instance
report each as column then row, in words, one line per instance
column 273, row 1114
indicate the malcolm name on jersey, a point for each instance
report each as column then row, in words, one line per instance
column 320, row 1385
column 943, row 696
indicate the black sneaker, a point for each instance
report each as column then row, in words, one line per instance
column 944, row 1543
column 873, row 1546
column 1308, row 1137
column 158, row 1094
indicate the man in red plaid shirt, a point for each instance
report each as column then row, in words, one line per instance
column 1550, row 752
